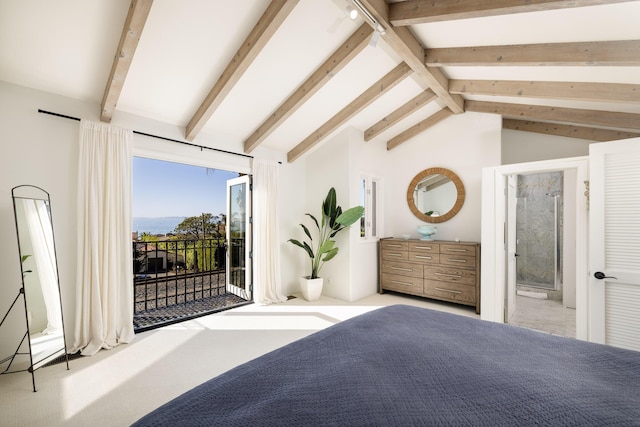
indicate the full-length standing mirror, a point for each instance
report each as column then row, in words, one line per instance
column 40, row 282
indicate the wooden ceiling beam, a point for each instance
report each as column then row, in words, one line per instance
column 600, row 92
column 131, row 32
column 570, row 131
column 379, row 88
column 265, row 28
column 424, row 11
column 405, row 110
column 341, row 57
column 618, row 53
column 419, row 128
column 405, row 44
column 605, row 119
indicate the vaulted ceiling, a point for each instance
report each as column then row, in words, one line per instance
column 287, row 74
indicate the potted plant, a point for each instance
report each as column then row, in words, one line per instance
column 332, row 221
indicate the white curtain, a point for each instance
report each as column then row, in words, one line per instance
column 41, row 235
column 266, row 249
column 104, row 293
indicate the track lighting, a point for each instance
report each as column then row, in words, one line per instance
column 369, row 17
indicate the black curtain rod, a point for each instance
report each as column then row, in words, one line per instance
column 201, row 147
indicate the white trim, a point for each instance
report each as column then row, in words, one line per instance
column 493, row 264
column 369, row 180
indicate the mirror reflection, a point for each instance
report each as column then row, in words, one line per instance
column 435, row 195
column 40, row 281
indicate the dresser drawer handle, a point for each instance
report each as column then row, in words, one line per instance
column 393, row 254
column 457, row 250
column 458, row 260
column 423, row 247
column 448, row 275
column 401, row 283
column 423, row 257
column 389, row 245
column 448, row 290
column 401, row 269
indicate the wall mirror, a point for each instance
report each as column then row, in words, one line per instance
column 435, row 195
column 40, row 282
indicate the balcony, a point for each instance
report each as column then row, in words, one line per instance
column 176, row 280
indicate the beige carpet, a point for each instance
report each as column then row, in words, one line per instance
column 116, row 387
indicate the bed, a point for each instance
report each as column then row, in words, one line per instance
column 404, row 365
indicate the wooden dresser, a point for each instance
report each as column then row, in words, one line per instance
column 448, row 271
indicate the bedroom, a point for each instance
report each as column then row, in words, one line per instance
column 466, row 143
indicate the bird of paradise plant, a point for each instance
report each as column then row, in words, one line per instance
column 332, row 221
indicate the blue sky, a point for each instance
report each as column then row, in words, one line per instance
column 173, row 189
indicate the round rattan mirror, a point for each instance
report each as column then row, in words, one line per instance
column 435, row 195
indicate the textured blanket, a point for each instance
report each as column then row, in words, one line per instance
column 405, row 366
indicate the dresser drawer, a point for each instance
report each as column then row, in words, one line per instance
column 458, row 249
column 394, row 255
column 402, row 268
column 450, row 274
column 406, row 284
column 425, row 258
column 424, row 247
column 394, row 245
column 450, row 291
column 437, row 269
column 460, row 260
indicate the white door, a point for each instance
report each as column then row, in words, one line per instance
column 510, row 300
column 614, row 247
column 239, row 237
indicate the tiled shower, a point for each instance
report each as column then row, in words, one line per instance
column 539, row 233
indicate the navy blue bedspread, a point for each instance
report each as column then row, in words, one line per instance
column 405, row 366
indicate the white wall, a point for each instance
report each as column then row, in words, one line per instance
column 464, row 143
column 521, row 147
column 41, row 150
column 38, row 150
column 326, row 167
column 339, row 163
column 370, row 159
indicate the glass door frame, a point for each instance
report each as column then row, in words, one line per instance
column 239, row 219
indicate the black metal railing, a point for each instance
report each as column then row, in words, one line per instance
column 177, row 271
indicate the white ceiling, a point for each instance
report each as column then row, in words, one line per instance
column 67, row 47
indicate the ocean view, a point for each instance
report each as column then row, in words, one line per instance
column 162, row 225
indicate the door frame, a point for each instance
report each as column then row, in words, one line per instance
column 246, row 292
column 493, row 263
column 511, row 242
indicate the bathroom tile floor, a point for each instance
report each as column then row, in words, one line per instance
column 544, row 315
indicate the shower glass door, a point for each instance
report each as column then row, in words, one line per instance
column 538, row 230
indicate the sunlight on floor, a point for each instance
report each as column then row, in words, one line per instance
column 118, row 386
column 310, row 317
column 83, row 387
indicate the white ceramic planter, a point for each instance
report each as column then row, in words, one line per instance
column 311, row 288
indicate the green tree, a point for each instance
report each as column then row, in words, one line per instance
column 146, row 237
column 202, row 226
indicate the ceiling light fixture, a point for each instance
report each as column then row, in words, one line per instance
column 369, row 17
column 352, row 12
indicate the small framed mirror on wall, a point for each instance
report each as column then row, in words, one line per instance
column 435, row 195
column 40, row 288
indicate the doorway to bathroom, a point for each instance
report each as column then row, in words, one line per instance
column 541, row 291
